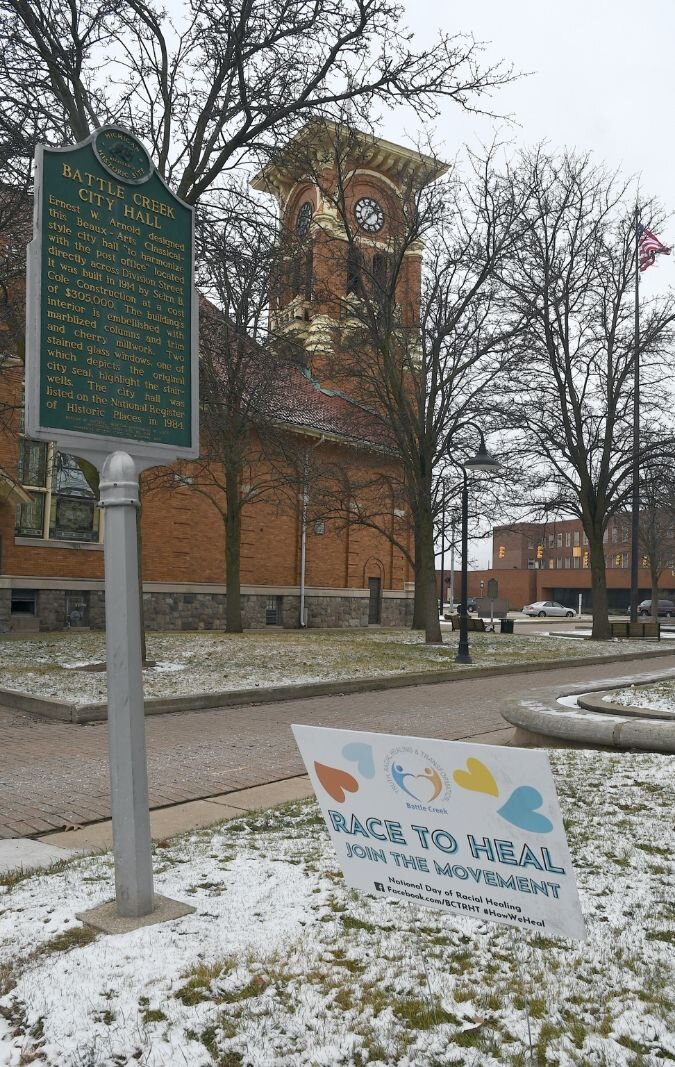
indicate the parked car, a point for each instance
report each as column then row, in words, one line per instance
column 548, row 607
column 663, row 607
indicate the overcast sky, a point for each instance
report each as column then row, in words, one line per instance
column 601, row 80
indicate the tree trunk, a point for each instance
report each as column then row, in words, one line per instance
column 599, row 588
column 655, row 594
column 425, row 576
column 233, row 621
column 418, row 603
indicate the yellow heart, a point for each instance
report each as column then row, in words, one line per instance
column 477, row 778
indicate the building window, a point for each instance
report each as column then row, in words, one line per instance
column 319, row 527
column 584, row 538
column 576, row 538
column 551, row 564
column 577, row 563
column 273, row 611
column 558, row 540
column 77, row 609
column 63, row 507
column 24, row 602
column 568, row 538
column 380, row 277
column 568, row 562
column 615, row 535
column 605, row 537
column 559, row 563
column 353, row 271
column 551, row 540
column 530, row 543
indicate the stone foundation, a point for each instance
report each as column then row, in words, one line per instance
column 206, row 611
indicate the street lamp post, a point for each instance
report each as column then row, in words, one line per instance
column 482, row 461
column 442, row 550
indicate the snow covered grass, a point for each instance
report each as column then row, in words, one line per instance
column 658, row 696
column 189, row 663
column 283, row 966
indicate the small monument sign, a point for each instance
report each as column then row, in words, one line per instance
column 112, row 321
column 112, row 376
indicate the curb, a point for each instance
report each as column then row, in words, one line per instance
column 48, row 708
column 537, row 721
column 600, row 706
column 171, row 819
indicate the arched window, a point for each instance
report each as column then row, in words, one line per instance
column 302, row 274
column 309, row 273
column 353, row 271
column 380, row 269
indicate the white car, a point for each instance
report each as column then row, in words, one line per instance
column 548, row 607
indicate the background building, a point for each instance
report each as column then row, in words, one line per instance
column 550, row 561
column 51, row 531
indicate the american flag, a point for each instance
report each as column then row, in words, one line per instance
column 648, row 247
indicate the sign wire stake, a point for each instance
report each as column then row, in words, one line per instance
column 420, row 948
column 524, row 984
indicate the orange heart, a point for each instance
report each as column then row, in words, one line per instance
column 335, row 781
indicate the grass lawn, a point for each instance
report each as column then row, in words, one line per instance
column 657, row 696
column 189, row 663
column 283, row 966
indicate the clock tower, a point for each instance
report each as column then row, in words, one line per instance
column 343, row 198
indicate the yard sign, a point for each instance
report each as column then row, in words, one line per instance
column 474, row 830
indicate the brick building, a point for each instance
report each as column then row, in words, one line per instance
column 550, row 561
column 51, row 532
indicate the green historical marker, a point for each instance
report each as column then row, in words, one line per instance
column 112, row 320
column 111, row 375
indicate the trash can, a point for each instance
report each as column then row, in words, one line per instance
column 506, row 626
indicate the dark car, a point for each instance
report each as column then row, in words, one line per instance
column 448, row 611
column 663, row 607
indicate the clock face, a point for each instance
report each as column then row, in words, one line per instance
column 369, row 214
column 304, row 218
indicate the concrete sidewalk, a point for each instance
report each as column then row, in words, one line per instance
column 54, row 775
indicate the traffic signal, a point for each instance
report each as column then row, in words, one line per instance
column 584, row 559
column 645, row 561
column 540, row 551
column 617, row 559
column 502, row 551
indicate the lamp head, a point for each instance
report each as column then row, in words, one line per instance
column 482, row 461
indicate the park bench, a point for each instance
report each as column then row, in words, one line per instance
column 473, row 625
column 643, row 629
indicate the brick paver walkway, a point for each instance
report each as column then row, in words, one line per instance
column 55, row 774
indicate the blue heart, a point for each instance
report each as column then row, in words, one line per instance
column 362, row 755
column 520, row 810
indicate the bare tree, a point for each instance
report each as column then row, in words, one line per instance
column 244, row 456
column 227, row 80
column 657, row 522
column 570, row 398
column 421, row 355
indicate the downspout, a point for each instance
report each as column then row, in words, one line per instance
column 303, row 529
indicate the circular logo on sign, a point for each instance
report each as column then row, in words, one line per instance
column 418, row 778
column 122, row 155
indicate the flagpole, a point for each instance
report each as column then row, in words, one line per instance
column 635, row 512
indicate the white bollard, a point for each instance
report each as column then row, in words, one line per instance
column 126, row 721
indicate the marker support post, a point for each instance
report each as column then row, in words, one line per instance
column 119, row 499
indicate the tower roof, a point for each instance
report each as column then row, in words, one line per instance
column 315, row 146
